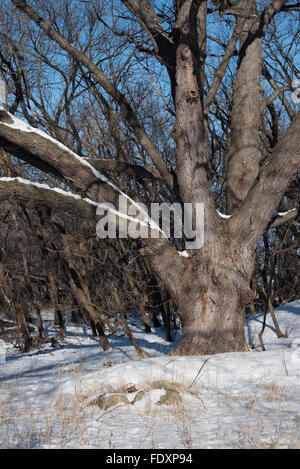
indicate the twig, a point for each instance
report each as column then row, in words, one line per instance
column 198, row 372
column 109, row 411
column 284, row 364
column 195, row 395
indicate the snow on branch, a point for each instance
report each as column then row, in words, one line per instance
column 283, row 217
column 10, row 121
column 66, row 163
column 41, row 194
column 46, row 153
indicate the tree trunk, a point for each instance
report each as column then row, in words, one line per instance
column 211, row 294
column 213, row 322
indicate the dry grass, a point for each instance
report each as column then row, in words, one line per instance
column 24, row 425
column 68, row 421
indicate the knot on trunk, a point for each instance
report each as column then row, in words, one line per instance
column 186, row 54
column 192, row 95
column 246, row 297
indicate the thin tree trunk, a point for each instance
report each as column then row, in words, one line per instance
column 58, row 316
column 274, row 319
column 40, row 324
column 260, row 334
column 81, row 293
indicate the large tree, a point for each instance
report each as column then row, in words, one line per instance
column 210, row 285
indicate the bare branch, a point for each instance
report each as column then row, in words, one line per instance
column 295, row 7
column 121, row 167
column 163, row 45
column 223, row 65
column 269, row 99
column 281, row 96
column 284, row 217
column 269, row 12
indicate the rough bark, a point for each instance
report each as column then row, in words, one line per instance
column 244, row 154
column 263, row 198
column 212, row 302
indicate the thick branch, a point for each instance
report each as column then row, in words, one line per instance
column 41, row 150
column 134, row 171
column 282, row 218
column 275, row 175
column 244, row 154
column 190, row 130
column 45, row 153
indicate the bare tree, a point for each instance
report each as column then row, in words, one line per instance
column 211, row 285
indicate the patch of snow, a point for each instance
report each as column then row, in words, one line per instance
column 223, row 215
column 183, row 253
column 238, row 400
column 282, row 214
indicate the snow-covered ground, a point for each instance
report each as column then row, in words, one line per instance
column 234, row 400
